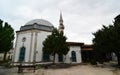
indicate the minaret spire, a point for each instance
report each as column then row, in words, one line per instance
column 61, row 26
column 61, row 19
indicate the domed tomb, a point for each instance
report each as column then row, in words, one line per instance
column 40, row 24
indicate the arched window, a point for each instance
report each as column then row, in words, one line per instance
column 60, row 58
column 73, row 54
column 45, row 56
column 22, row 54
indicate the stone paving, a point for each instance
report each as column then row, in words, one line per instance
column 82, row 70
column 74, row 70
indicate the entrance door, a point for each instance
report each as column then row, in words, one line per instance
column 22, row 54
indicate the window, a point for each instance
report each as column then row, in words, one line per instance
column 73, row 54
column 45, row 56
column 60, row 58
column 22, row 54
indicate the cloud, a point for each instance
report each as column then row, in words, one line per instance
column 81, row 17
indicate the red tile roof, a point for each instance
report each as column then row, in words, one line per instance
column 87, row 47
column 75, row 43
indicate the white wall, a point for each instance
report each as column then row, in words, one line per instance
column 20, row 44
column 29, row 44
column 66, row 59
column 41, row 37
column 77, row 49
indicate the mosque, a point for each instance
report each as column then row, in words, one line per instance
column 29, row 39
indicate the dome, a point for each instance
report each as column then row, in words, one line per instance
column 39, row 24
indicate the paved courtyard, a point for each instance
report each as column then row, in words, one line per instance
column 74, row 70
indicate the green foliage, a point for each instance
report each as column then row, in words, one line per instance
column 55, row 44
column 103, row 39
column 107, row 39
column 6, row 37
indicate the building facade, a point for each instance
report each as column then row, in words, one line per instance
column 9, row 55
column 28, row 46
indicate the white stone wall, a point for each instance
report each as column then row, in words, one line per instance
column 1, row 56
column 114, row 57
column 67, row 58
column 42, row 35
column 20, row 44
column 77, row 49
column 34, row 44
column 8, row 56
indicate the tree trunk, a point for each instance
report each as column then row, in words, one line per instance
column 4, row 58
column 118, row 57
column 54, row 58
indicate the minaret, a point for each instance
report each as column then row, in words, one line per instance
column 61, row 26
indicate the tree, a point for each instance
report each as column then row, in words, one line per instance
column 6, row 38
column 107, row 39
column 1, row 33
column 55, row 44
column 116, row 42
column 101, row 43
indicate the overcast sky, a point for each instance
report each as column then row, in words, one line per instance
column 81, row 17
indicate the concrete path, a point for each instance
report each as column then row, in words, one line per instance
column 74, row 70
column 81, row 70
